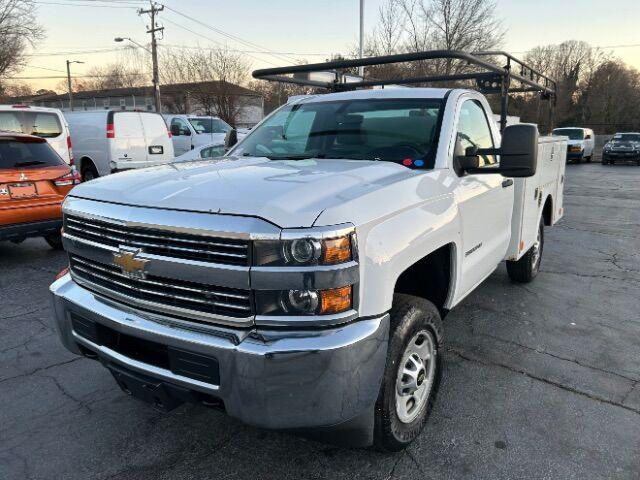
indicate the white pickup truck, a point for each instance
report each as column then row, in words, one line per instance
column 301, row 282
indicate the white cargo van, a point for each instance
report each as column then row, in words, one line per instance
column 581, row 143
column 47, row 123
column 109, row 141
column 192, row 131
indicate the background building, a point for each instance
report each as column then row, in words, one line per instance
column 236, row 105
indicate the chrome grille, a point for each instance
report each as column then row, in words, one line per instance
column 160, row 242
column 177, row 297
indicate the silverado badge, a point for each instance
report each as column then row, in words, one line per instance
column 130, row 266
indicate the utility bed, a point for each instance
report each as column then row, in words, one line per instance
column 530, row 192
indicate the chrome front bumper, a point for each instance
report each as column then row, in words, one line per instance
column 281, row 379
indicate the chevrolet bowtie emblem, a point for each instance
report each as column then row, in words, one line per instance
column 130, row 266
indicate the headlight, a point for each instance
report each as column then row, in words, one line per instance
column 304, row 302
column 304, row 251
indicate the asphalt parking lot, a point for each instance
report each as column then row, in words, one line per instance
column 541, row 380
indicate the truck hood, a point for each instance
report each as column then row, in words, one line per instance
column 288, row 193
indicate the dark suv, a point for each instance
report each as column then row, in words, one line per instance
column 623, row 147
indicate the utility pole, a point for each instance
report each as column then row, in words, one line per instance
column 361, row 69
column 153, row 11
column 69, row 62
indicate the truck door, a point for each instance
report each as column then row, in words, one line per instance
column 181, row 136
column 485, row 201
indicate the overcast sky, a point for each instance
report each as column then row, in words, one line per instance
column 304, row 29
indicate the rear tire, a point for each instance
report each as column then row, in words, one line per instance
column 89, row 173
column 54, row 240
column 526, row 269
column 412, row 373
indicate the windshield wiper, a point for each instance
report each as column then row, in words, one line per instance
column 28, row 164
column 291, row 157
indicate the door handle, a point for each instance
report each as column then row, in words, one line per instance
column 507, row 183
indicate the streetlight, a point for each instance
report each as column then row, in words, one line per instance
column 154, row 58
column 361, row 69
column 69, row 62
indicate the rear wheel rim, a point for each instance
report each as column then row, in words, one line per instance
column 415, row 376
column 536, row 250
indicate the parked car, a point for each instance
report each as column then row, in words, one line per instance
column 192, row 131
column 108, row 141
column 210, row 150
column 33, row 183
column 623, row 147
column 302, row 285
column 581, row 143
column 47, row 123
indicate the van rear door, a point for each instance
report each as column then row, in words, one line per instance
column 127, row 141
column 159, row 145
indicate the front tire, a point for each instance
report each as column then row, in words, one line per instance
column 89, row 173
column 526, row 269
column 54, row 240
column 412, row 373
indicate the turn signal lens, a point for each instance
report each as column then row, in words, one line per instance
column 336, row 300
column 336, row 250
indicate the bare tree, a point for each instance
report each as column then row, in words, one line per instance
column 113, row 75
column 215, row 75
column 18, row 30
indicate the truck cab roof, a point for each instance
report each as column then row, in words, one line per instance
column 375, row 93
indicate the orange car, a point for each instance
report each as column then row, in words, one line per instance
column 33, row 183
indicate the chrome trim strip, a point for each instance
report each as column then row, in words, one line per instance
column 141, row 367
column 305, row 321
column 329, row 231
column 320, row 277
column 158, row 307
column 232, row 276
column 210, row 224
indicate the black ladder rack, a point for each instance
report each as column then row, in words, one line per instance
column 490, row 79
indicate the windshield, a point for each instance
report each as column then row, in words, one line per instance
column 27, row 154
column 626, row 137
column 42, row 124
column 209, row 125
column 572, row 133
column 372, row 129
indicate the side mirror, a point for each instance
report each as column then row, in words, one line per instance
column 518, row 153
column 587, row 137
column 230, row 139
column 519, row 150
column 175, row 130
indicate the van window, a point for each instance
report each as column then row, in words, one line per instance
column 209, row 125
column 572, row 133
column 474, row 131
column 180, row 125
column 15, row 153
column 41, row 124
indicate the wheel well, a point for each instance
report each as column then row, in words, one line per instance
column 547, row 211
column 429, row 277
column 86, row 162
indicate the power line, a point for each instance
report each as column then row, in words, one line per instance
column 40, row 2
column 228, row 35
column 215, row 41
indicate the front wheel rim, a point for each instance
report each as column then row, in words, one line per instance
column 415, row 376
